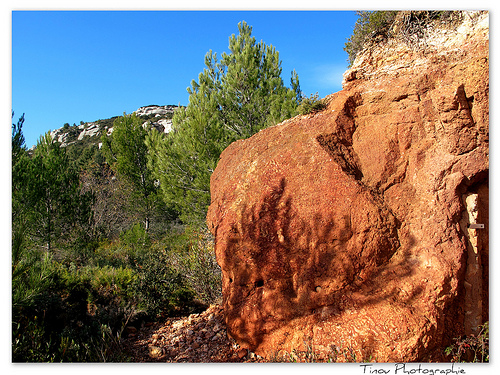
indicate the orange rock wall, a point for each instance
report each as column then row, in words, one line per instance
column 347, row 229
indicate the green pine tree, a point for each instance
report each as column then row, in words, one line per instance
column 126, row 152
column 20, row 160
column 52, row 191
column 233, row 99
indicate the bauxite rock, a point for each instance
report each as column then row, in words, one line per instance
column 349, row 229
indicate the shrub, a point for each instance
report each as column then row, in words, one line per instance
column 161, row 289
column 51, row 319
column 135, row 238
column 472, row 348
column 33, row 273
column 408, row 26
column 194, row 257
column 368, row 25
column 311, row 104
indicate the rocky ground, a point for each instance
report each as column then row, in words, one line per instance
column 195, row 338
column 202, row 338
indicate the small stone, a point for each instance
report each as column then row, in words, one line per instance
column 242, row 353
column 155, row 351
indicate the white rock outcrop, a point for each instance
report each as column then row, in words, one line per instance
column 93, row 129
column 156, row 110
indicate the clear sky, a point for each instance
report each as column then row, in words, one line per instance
column 72, row 66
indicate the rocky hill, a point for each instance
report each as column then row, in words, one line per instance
column 154, row 116
column 362, row 229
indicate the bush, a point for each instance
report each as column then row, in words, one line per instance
column 311, row 104
column 76, row 311
column 194, row 257
column 161, row 290
column 408, row 26
column 52, row 319
column 472, row 348
column 33, row 275
column 368, row 25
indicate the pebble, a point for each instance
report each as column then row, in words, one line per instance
column 155, row 351
column 242, row 353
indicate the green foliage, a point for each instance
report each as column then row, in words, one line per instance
column 368, row 24
column 253, row 95
column 85, row 153
column 50, row 322
column 18, row 142
column 311, row 104
column 162, row 289
column 294, row 81
column 472, row 348
column 68, row 313
column 32, row 272
column 20, row 176
column 233, row 99
column 135, row 237
column 126, row 153
column 46, row 199
column 194, row 257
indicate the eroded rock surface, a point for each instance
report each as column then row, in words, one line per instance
column 350, row 228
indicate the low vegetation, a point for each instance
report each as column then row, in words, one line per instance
column 69, row 308
column 311, row 104
column 374, row 26
column 472, row 348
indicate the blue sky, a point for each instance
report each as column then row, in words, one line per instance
column 72, row 66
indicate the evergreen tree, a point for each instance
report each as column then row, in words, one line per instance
column 18, row 145
column 52, row 189
column 294, row 80
column 233, row 99
column 253, row 95
column 126, row 152
column 19, row 161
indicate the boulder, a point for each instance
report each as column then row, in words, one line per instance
column 349, row 230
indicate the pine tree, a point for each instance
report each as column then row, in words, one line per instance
column 52, row 189
column 253, row 95
column 233, row 99
column 19, row 166
column 126, row 152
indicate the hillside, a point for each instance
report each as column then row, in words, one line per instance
column 89, row 133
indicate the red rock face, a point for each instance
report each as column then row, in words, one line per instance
column 348, row 228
